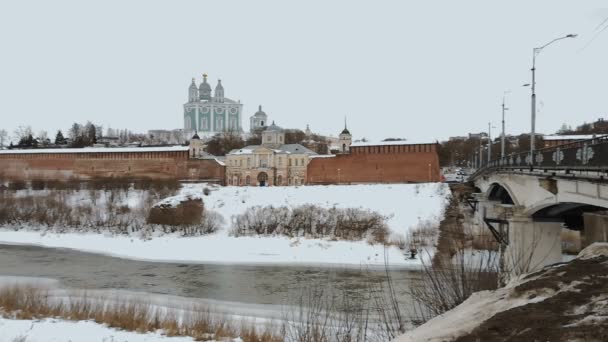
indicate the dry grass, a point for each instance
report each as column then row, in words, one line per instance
column 312, row 221
column 27, row 302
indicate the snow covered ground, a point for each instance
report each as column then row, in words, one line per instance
column 406, row 205
column 57, row 330
column 560, row 298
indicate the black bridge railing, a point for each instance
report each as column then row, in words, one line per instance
column 583, row 155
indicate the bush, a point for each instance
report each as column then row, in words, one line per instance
column 313, row 222
column 104, row 210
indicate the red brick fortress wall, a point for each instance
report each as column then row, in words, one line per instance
column 88, row 165
column 378, row 164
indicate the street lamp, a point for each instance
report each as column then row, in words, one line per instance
column 490, row 141
column 502, row 137
column 535, row 53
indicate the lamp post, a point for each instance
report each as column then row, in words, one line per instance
column 535, row 53
column 502, row 136
column 480, row 150
column 490, row 141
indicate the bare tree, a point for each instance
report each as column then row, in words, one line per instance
column 3, row 138
column 22, row 132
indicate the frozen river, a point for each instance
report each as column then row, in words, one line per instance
column 250, row 285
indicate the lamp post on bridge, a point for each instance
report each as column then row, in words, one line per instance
column 535, row 53
column 490, row 141
column 502, row 136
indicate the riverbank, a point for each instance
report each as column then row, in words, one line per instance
column 562, row 302
column 405, row 206
column 219, row 249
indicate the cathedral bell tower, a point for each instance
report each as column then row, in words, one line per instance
column 219, row 92
column 345, row 139
column 192, row 92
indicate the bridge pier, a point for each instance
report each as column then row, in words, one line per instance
column 595, row 228
column 532, row 245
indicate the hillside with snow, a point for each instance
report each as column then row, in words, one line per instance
column 406, row 207
column 562, row 302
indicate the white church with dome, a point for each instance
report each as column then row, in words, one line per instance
column 209, row 113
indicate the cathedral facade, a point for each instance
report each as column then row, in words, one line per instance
column 208, row 113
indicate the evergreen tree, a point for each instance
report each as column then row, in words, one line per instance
column 60, row 139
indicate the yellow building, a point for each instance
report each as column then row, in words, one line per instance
column 271, row 163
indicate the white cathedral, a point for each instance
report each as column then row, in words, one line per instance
column 210, row 114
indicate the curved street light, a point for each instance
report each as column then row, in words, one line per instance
column 535, row 53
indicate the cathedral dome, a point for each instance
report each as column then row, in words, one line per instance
column 204, row 87
column 274, row 128
column 260, row 112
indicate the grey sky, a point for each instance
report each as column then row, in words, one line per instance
column 421, row 70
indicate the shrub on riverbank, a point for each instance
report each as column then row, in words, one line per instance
column 27, row 302
column 118, row 211
column 313, row 222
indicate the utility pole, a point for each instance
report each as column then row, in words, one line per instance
column 480, row 150
column 489, row 142
column 502, row 137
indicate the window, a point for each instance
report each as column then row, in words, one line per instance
column 302, row 162
column 280, row 180
column 240, row 162
column 248, row 180
column 280, row 162
column 281, row 138
column 248, row 163
column 269, row 138
column 289, row 162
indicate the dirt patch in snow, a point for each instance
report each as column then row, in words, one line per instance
column 189, row 211
column 576, row 308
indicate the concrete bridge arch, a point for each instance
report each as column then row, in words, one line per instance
column 532, row 209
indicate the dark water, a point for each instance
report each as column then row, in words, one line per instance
column 275, row 285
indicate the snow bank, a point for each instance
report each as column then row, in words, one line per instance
column 594, row 250
column 406, row 205
column 67, row 331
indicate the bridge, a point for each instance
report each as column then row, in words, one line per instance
column 526, row 200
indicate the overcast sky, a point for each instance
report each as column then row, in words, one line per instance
column 421, row 70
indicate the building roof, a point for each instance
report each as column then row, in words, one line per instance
column 573, row 137
column 386, row 143
column 260, row 112
column 97, row 150
column 283, row 149
column 345, row 131
column 273, row 128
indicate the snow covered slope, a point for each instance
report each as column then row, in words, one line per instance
column 406, row 205
column 563, row 302
column 67, row 331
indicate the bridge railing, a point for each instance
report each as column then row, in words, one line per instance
column 583, row 155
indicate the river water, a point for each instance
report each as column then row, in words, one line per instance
column 257, row 285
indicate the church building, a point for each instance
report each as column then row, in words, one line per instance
column 271, row 163
column 209, row 113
